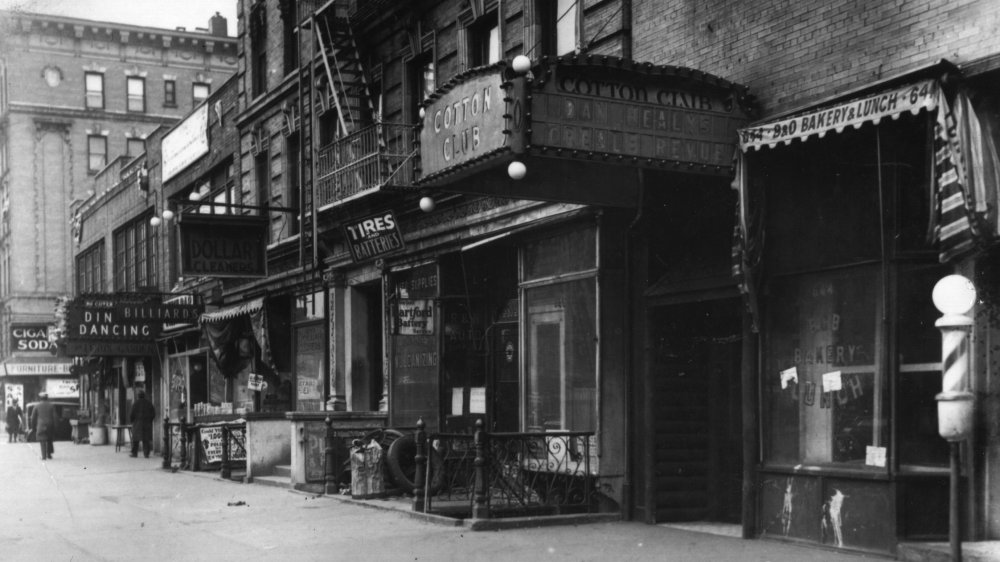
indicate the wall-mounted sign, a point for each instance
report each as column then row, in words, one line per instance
column 374, row 236
column 187, row 142
column 29, row 337
column 62, row 388
column 12, row 368
column 223, row 245
column 464, row 123
column 657, row 119
column 415, row 317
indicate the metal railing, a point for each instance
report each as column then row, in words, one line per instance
column 177, row 436
column 366, row 161
column 506, row 474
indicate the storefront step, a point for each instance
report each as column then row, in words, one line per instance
column 982, row 551
column 281, row 477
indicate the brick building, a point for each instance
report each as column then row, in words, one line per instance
column 74, row 96
column 543, row 252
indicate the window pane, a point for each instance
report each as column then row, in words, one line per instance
column 494, row 46
column 97, row 151
column 201, row 92
column 566, row 27
column 564, row 253
column 918, row 439
column 560, row 354
column 136, row 94
column 94, row 84
column 169, row 93
column 822, row 387
column 427, row 83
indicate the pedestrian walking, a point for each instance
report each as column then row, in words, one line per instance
column 142, row 416
column 15, row 419
column 43, row 423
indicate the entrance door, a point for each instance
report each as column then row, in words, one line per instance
column 695, row 375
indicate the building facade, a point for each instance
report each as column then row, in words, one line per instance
column 78, row 96
column 676, row 266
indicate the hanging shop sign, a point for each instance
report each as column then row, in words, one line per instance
column 661, row 117
column 29, row 337
column 464, row 122
column 223, row 245
column 125, row 324
column 373, row 236
column 913, row 98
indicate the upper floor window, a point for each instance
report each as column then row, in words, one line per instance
column 558, row 26
column 484, row 40
column 134, row 146
column 136, row 92
column 200, row 92
column 94, row 83
column 135, row 260
column 258, row 48
column 293, row 185
column 170, row 93
column 90, row 269
column 422, row 81
column 97, row 152
column 290, row 36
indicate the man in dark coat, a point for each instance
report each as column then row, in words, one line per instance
column 44, row 422
column 142, row 416
column 14, row 417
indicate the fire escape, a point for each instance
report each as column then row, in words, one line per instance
column 366, row 154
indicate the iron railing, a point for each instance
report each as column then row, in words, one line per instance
column 178, row 435
column 364, row 162
column 506, row 474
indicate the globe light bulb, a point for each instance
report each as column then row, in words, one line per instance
column 520, row 64
column 516, row 170
column 168, row 215
column 155, row 221
column 954, row 294
column 194, row 196
column 427, row 204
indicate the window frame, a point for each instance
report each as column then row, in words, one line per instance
column 91, row 154
column 553, row 21
column 90, row 269
column 483, row 36
column 169, row 93
column 89, row 94
column 195, row 100
column 131, row 98
column 134, row 255
column 258, row 48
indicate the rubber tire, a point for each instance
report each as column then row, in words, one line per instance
column 402, row 465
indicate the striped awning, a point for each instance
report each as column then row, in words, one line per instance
column 913, row 98
column 233, row 311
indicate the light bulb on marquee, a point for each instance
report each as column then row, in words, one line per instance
column 520, row 64
column 427, row 204
column 516, row 170
column 155, row 221
column 168, row 215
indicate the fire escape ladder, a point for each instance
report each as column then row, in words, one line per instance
column 344, row 72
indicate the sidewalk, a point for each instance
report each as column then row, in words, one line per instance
column 91, row 503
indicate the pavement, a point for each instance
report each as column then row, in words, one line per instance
column 91, row 503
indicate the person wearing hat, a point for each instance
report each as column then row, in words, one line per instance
column 142, row 416
column 43, row 422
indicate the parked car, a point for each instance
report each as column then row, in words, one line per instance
column 65, row 411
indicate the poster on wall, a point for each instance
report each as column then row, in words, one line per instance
column 211, row 444
column 416, row 317
column 62, row 388
column 14, row 392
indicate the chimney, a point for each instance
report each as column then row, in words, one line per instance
column 218, row 26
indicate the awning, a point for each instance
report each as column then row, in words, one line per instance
column 913, row 98
column 231, row 312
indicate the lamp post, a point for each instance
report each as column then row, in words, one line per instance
column 954, row 296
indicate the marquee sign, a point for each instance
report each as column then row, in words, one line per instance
column 121, row 324
column 656, row 118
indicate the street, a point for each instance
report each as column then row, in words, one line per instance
column 91, row 503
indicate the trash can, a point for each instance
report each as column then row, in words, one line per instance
column 366, row 470
column 98, row 435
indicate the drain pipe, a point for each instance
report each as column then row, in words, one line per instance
column 628, row 502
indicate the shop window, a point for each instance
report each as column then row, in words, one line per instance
column 560, row 326
column 823, row 385
column 97, row 153
column 558, row 26
column 169, row 93
column 200, row 92
column 484, row 40
column 135, row 88
column 94, row 84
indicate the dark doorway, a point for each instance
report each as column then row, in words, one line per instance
column 695, row 379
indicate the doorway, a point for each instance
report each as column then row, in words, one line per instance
column 695, row 380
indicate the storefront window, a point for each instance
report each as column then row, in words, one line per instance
column 560, row 333
column 823, row 385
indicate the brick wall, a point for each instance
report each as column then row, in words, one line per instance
column 793, row 53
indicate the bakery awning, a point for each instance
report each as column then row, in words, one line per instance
column 890, row 103
column 231, row 312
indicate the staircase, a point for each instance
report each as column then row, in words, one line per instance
column 347, row 87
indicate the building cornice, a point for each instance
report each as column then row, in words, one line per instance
column 41, row 110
